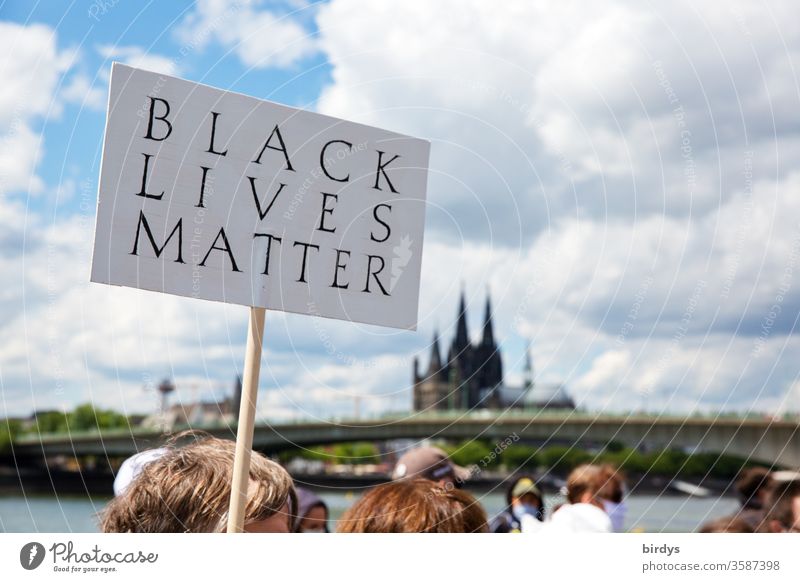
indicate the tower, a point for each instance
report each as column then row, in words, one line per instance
column 489, row 365
column 165, row 389
column 527, row 372
column 431, row 389
column 236, row 399
column 471, row 375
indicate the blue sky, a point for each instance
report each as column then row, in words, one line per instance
column 621, row 177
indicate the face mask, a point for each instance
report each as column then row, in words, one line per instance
column 313, row 530
column 616, row 512
column 525, row 509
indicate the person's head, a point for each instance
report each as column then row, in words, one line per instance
column 525, row 497
column 783, row 509
column 731, row 524
column 414, row 506
column 188, row 489
column 612, row 484
column 612, row 495
column 429, row 463
column 753, row 485
column 312, row 513
column 584, row 484
column 132, row 466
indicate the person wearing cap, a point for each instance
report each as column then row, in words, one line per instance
column 132, row 467
column 430, row 463
column 523, row 500
column 312, row 513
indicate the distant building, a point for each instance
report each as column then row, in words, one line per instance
column 472, row 375
column 199, row 414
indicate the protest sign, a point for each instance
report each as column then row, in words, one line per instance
column 215, row 195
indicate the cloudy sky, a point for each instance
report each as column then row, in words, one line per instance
column 622, row 176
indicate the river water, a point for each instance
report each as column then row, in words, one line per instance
column 648, row 513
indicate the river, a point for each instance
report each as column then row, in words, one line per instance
column 648, row 513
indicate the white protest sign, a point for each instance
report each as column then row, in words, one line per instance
column 220, row 196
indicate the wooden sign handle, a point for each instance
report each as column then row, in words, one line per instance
column 247, row 416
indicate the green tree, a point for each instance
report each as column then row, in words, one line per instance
column 86, row 417
column 519, row 456
column 358, row 453
column 9, row 429
column 467, row 453
column 562, row 459
column 51, row 422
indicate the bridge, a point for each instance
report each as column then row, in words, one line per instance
column 766, row 440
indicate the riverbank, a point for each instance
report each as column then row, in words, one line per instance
column 35, row 481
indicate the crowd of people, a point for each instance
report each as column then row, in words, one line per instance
column 187, row 489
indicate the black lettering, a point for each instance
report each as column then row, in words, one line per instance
column 262, row 214
column 156, row 249
column 322, row 159
column 382, row 170
column 153, row 117
column 377, row 218
column 270, row 238
column 275, row 132
column 202, row 187
column 144, row 194
column 226, row 248
column 326, row 210
column 211, row 149
column 339, row 266
column 375, row 274
column 305, row 246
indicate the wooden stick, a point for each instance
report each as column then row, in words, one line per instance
column 247, row 417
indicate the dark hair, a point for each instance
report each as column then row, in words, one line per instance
column 585, row 479
column 414, row 506
column 750, row 481
column 612, row 487
column 731, row 524
column 780, row 508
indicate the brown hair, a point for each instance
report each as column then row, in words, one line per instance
column 612, row 484
column 585, row 479
column 780, row 508
column 189, row 489
column 731, row 524
column 751, row 481
column 414, row 506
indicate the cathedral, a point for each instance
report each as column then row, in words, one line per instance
column 469, row 378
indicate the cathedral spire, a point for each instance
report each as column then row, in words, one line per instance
column 436, row 359
column 462, row 337
column 488, row 332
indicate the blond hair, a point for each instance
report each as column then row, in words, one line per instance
column 189, row 489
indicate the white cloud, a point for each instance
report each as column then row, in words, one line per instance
column 139, row 57
column 260, row 38
column 84, row 93
column 32, row 66
column 608, row 169
column 645, row 275
column 561, row 109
